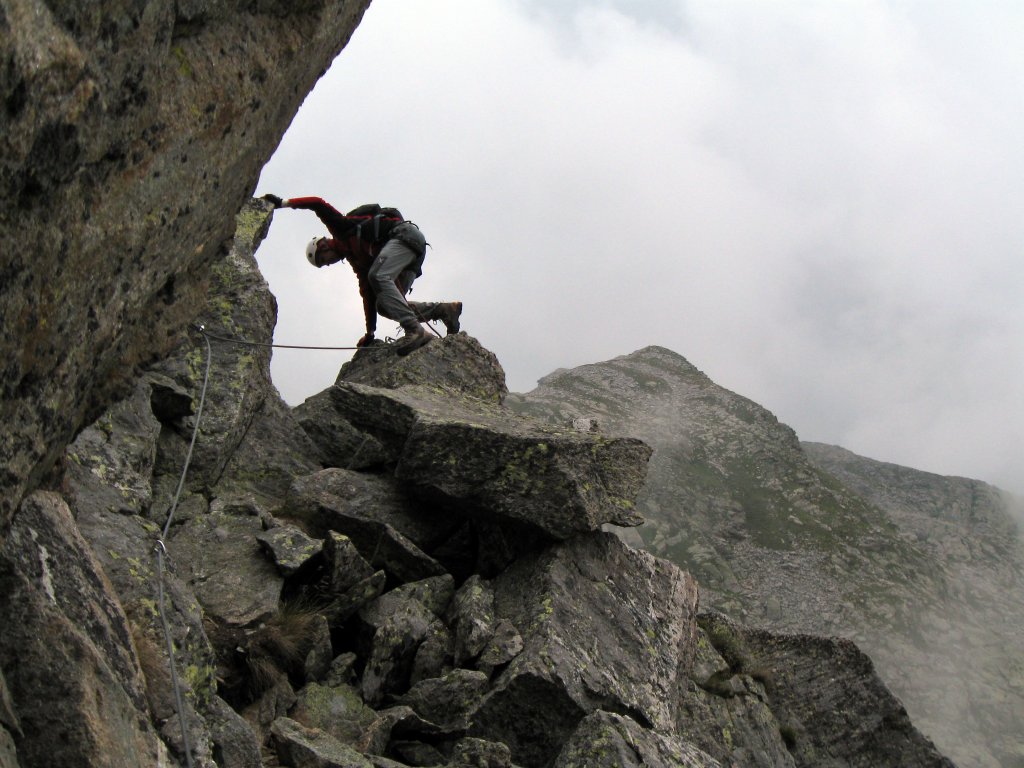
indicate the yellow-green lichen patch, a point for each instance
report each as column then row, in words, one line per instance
column 202, row 681
column 248, row 224
column 184, row 67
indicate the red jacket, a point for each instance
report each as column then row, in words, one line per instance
column 352, row 237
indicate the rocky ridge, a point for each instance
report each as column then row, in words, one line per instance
column 924, row 573
column 393, row 587
column 972, row 638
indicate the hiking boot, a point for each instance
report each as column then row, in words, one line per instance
column 448, row 313
column 413, row 339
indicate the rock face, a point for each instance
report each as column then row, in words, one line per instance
column 69, row 661
column 604, row 627
column 924, row 573
column 454, row 606
column 132, row 133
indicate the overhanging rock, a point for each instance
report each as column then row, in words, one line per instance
column 484, row 461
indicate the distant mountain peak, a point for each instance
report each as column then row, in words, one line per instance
column 812, row 538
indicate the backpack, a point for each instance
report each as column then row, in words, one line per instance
column 379, row 222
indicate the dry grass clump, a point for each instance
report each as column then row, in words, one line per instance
column 280, row 646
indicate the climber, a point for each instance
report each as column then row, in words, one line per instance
column 386, row 252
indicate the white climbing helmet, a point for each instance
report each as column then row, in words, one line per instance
column 311, row 251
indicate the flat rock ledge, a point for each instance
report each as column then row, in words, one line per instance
column 484, row 461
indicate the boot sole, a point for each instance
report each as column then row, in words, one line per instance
column 411, row 346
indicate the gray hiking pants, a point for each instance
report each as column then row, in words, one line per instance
column 392, row 263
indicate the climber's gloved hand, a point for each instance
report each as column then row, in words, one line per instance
column 274, row 200
column 366, row 341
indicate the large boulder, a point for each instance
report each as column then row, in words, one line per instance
column 224, row 563
column 448, row 700
column 338, row 442
column 398, row 622
column 483, row 461
column 335, row 709
column 829, row 696
column 472, row 619
column 289, row 548
column 237, row 746
column 604, row 627
column 347, row 581
column 303, row 747
column 481, row 753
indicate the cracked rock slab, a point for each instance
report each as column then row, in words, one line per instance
column 484, row 461
column 607, row 740
column 603, row 627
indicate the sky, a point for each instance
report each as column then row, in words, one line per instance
column 818, row 203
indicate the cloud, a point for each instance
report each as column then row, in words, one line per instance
column 815, row 203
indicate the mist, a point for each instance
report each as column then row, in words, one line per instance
column 815, row 203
